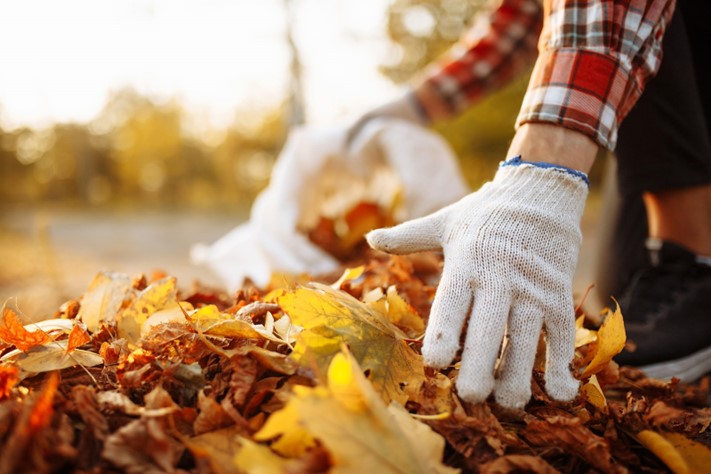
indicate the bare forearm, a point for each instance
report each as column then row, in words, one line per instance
column 539, row 142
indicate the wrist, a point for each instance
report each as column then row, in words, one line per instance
column 553, row 144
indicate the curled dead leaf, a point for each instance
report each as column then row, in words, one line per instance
column 611, row 339
column 13, row 332
column 679, row 453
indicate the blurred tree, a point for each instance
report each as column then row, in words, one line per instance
column 153, row 157
column 244, row 159
column 138, row 152
column 146, row 146
column 15, row 180
column 295, row 98
column 422, row 30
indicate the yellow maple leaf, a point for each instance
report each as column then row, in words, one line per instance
column 360, row 432
column 679, row 453
column 155, row 297
column 331, row 318
column 611, row 339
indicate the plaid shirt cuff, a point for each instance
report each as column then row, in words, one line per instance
column 580, row 89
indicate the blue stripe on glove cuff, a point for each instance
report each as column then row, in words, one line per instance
column 516, row 161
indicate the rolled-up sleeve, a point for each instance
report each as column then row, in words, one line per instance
column 595, row 58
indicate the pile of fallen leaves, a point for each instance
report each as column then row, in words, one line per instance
column 138, row 376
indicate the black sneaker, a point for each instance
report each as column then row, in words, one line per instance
column 667, row 312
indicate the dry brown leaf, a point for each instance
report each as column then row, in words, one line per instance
column 145, row 445
column 215, row 450
column 209, row 393
column 211, row 415
column 569, row 434
column 518, row 463
column 53, row 356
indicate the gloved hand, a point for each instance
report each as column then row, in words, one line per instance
column 510, row 251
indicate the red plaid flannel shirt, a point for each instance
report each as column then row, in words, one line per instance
column 594, row 59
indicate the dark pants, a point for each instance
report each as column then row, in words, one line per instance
column 665, row 141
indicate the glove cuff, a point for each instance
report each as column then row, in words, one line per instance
column 517, row 161
column 542, row 189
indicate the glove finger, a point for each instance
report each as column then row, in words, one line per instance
column 481, row 348
column 560, row 334
column 513, row 385
column 417, row 235
column 449, row 311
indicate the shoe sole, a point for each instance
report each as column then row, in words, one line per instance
column 687, row 369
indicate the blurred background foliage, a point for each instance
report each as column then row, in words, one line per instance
column 142, row 152
column 139, row 151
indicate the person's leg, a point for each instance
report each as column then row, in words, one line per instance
column 664, row 171
column 684, row 215
column 681, row 215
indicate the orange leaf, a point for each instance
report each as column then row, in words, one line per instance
column 43, row 409
column 13, row 332
column 9, row 376
column 611, row 339
column 77, row 337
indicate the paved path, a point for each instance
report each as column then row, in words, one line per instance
column 50, row 256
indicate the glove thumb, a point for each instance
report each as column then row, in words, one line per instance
column 417, row 235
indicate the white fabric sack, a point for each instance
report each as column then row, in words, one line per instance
column 318, row 175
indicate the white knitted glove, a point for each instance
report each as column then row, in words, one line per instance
column 510, row 250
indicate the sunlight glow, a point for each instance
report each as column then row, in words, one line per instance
column 61, row 60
